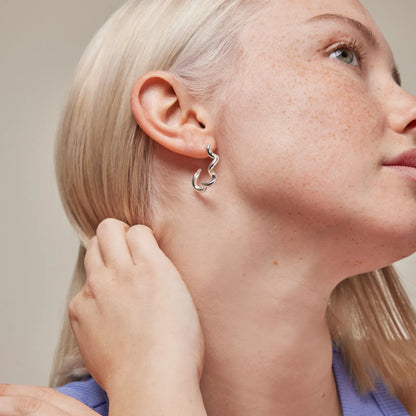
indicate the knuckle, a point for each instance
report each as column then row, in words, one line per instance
column 141, row 228
column 88, row 290
column 73, row 309
column 93, row 282
column 26, row 406
column 75, row 306
column 109, row 224
column 139, row 234
column 45, row 393
column 105, row 225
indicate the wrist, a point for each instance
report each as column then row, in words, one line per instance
column 165, row 374
column 162, row 396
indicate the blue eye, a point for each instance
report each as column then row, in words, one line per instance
column 346, row 55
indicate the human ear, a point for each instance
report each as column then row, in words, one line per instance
column 168, row 114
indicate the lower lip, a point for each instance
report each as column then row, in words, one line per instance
column 408, row 171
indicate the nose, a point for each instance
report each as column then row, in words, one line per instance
column 401, row 110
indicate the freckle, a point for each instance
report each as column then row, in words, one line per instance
column 276, row 263
column 244, row 274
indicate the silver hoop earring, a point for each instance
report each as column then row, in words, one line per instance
column 205, row 185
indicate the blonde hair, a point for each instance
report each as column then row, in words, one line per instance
column 104, row 165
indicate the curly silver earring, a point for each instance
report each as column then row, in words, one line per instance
column 205, row 185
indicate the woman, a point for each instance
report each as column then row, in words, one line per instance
column 315, row 183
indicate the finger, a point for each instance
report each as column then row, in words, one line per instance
column 111, row 235
column 142, row 244
column 28, row 406
column 21, row 406
column 44, row 401
column 93, row 259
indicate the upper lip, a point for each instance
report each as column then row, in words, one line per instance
column 407, row 158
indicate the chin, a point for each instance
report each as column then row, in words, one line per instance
column 387, row 253
column 374, row 249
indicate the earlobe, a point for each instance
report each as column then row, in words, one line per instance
column 171, row 116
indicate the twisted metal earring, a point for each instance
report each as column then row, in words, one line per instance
column 205, row 185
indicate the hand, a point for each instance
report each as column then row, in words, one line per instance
column 134, row 320
column 39, row 401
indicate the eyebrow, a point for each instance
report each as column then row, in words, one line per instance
column 367, row 33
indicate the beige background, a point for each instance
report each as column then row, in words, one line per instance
column 40, row 44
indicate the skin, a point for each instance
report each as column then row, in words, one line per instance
column 128, row 276
column 313, row 207
column 302, row 202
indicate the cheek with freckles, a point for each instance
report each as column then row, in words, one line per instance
column 338, row 125
column 303, row 140
column 300, row 141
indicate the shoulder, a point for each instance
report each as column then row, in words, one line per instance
column 89, row 393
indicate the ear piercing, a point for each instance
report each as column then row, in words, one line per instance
column 205, row 185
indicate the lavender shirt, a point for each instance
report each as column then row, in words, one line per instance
column 377, row 403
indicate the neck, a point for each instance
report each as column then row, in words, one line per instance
column 261, row 297
column 265, row 358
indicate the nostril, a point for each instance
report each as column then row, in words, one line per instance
column 411, row 125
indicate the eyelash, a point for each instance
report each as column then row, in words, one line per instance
column 355, row 47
